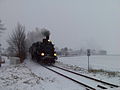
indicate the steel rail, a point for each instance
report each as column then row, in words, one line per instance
column 87, row 86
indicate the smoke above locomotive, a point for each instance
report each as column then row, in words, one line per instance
column 37, row 35
column 45, row 33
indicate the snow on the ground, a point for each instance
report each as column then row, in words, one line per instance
column 100, row 76
column 19, row 77
column 52, row 80
column 111, row 63
column 80, row 63
column 32, row 76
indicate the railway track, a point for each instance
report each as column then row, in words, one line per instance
column 109, row 84
column 82, row 79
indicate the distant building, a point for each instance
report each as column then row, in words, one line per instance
column 103, row 52
column 98, row 52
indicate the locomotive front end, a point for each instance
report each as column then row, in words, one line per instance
column 47, row 54
column 48, row 58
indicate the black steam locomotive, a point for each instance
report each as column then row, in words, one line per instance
column 43, row 52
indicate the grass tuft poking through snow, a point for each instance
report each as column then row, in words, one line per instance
column 105, row 72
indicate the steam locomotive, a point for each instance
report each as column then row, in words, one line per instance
column 43, row 52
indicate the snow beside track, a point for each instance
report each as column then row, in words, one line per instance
column 52, row 80
column 32, row 76
column 19, row 77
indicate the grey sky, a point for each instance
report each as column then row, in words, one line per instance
column 73, row 23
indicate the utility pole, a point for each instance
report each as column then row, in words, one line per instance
column 88, row 54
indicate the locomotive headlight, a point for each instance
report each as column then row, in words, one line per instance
column 49, row 41
column 42, row 54
column 55, row 54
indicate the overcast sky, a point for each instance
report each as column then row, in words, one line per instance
column 72, row 23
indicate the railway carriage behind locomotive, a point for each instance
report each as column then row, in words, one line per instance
column 43, row 52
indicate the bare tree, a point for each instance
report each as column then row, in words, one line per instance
column 1, row 29
column 17, row 42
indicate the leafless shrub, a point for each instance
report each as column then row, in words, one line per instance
column 17, row 43
column 104, row 72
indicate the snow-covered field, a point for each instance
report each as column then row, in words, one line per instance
column 111, row 63
column 32, row 76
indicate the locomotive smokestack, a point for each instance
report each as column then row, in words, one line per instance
column 45, row 33
column 47, row 37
